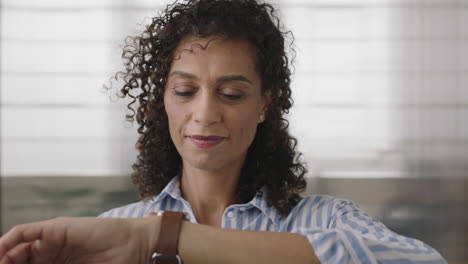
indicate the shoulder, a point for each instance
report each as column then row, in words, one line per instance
column 133, row 210
column 140, row 209
column 320, row 210
column 314, row 202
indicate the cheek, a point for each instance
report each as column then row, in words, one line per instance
column 246, row 131
column 172, row 117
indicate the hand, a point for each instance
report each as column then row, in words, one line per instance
column 80, row 240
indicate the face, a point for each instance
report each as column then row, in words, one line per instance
column 213, row 101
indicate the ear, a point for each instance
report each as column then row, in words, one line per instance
column 266, row 100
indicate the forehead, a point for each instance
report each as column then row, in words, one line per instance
column 215, row 51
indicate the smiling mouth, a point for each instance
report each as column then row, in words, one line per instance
column 206, row 141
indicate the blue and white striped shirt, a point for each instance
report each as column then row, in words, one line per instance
column 337, row 229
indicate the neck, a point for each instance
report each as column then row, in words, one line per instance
column 209, row 193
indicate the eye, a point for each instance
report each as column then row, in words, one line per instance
column 231, row 94
column 183, row 94
column 232, row 97
column 183, row 90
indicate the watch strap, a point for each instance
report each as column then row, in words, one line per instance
column 168, row 240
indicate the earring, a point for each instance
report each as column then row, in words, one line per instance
column 261, row 118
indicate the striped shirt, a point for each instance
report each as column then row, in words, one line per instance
column 338, row 230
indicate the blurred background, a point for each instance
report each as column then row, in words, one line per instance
column 381, row 109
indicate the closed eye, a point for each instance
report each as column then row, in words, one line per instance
column 183, row 94
column 232, row 97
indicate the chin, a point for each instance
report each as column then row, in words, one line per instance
column 205, row 162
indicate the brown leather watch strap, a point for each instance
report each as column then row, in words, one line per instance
column 166, row 246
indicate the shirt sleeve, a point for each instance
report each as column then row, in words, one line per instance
column 351, row 236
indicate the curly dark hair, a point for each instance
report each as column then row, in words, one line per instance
column 272, row 159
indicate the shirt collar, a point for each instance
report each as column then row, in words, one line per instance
column 172, row 189
column 259, row 201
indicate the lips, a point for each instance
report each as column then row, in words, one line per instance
column 206, row 141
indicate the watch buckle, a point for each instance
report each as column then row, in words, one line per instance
column 157, row 256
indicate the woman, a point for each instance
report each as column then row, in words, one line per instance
column 211, row 80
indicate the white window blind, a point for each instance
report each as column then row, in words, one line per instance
column 56, row 118
column 379, row 86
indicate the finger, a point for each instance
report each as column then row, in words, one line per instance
column 19, row 254
column 20, row 234
column 150, row 215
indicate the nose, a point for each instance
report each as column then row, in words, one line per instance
column 207, row 109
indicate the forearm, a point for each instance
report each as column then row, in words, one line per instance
column 206, row 244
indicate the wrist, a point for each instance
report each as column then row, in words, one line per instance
column 149, row 229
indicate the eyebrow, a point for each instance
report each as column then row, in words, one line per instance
column 225, row 78
column 228, row 78
column 183, row 74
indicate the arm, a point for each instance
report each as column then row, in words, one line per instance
column 349, row 236
column 90, row 240
column 80, row 241
column 340, row 232
column 206, row 244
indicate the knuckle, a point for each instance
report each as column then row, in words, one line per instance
column 16, row 229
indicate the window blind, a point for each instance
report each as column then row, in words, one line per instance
column 379, row 86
